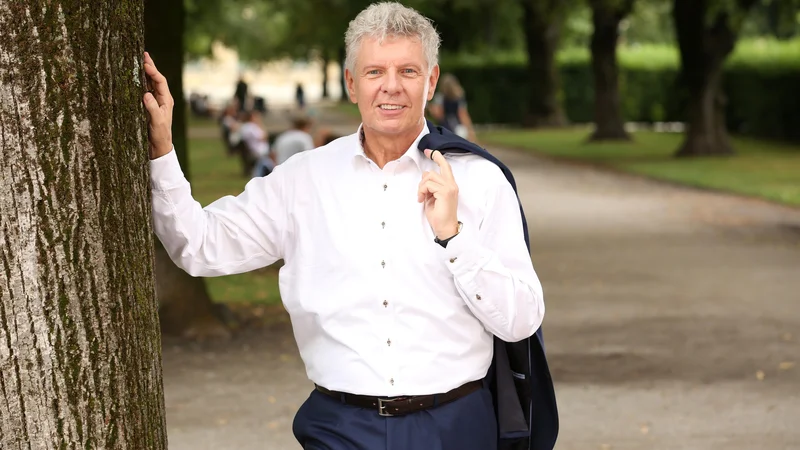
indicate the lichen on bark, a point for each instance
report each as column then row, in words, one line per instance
column 80, row 360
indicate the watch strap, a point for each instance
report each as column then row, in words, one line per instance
column 443, row 242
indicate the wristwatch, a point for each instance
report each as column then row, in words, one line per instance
column 443, row 242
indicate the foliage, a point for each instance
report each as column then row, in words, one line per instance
column 263, row 30
column 762, row 83
column 255, row 28
column 776, row 18
column 760, row 169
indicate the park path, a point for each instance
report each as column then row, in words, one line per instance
column 673, row 322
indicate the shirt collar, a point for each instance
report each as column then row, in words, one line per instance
column 413, row 152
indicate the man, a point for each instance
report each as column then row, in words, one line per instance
column 399, row 267
column 240, row 94
column 293, row 141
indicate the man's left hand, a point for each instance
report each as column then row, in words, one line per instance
column 439, row 192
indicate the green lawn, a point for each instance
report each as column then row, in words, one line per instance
column 351, row 109
column 214, row 175
column 761, row 169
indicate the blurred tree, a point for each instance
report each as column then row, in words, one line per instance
column 542, row 21
column 185, row 308
column 79, row 338
column 578, row 27
column 650, row 22
column 773, row 18
column 477, row 27
column 606, row 17
column 707, row 32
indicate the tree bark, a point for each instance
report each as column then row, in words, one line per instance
column 186, row 308
column 542, row 26
column 704, row 45
column 80, row 347
column 609, row 124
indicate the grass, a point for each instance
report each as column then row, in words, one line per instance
column 761, row 169
column 350, row 109
column 214, row 175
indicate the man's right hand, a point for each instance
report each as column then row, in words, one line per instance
column 159, row 104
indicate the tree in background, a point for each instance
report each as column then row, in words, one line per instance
column 80, row 347
column 606, row 17
column 185, row 308
column 706, row 31
column 777, row 18
column 542, row 21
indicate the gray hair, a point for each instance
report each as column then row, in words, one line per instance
column 391, row 19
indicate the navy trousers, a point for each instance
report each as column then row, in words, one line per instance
column 324, row 423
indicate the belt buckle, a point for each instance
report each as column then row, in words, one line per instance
column 382, row 408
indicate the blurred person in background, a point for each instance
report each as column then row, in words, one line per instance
column 256, row 157
column 229, row 125
column 240, row 94
column 449, row 108
column 295, row 140
column 300, row 96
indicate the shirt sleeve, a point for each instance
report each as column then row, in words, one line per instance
column 493, row 271
column 231, row 235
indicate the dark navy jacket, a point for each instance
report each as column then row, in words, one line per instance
column 525, row 401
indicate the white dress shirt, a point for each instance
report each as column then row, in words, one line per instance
column 377, row 307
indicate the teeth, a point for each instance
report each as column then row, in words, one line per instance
column 390, row 107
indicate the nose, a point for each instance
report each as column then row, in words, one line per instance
column 391, row 83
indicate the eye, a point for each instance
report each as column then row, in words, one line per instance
column 373, row 72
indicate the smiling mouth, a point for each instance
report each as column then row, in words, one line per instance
column 391, row 107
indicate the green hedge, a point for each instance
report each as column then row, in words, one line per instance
column 762, row 87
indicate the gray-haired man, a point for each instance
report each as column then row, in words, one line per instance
column 400, row 268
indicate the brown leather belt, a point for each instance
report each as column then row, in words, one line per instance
column 398, row 406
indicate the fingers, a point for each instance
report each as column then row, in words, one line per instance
column 151, row 104
column 440, row 160
column 433, row 176
column 429, row 188
column 159, row 82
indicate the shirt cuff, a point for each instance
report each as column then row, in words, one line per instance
column 166, row 172
column 463, row 252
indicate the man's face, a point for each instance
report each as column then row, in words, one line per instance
column 391, row 84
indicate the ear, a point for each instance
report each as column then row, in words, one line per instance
column 432, row 81
column 351, row 85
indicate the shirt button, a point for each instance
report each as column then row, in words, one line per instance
column 383, row 224
column 452, row 260
column 477, row 296
column 391, row 381
column 385, row 186
column 383, row 263
column 389, row 342
column 385, row 303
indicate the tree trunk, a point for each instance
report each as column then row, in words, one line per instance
column 542, row 26
column 344, row 97
column 185, row 306
column 164, row 22
column 608, row 121
column 325, row 62
column 704, row 44
column 80, row 349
